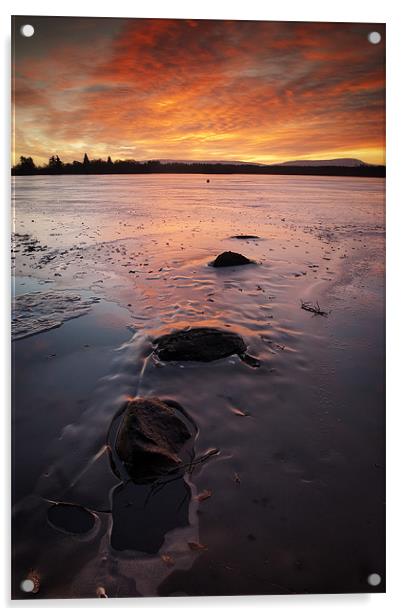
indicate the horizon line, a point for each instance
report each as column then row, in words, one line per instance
column 202, row 161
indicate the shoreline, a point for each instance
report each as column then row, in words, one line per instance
column 377, row 172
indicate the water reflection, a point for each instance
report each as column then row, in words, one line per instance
column 143, row 514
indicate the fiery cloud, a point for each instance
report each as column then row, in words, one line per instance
column 205, row 90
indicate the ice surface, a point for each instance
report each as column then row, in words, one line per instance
column 299, row 437
column 37, row 312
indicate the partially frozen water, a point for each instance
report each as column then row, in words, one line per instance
column 38, row 312
column 297, row 487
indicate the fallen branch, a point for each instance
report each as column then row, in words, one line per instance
column 314, row 308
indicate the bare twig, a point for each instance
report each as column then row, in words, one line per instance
column 314, row 308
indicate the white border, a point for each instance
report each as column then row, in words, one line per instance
column 388, row 11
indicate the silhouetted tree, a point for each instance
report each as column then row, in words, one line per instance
column 26, row 164
column 55, row 164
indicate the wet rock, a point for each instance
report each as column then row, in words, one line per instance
column 246, row 237
column 230, row 259
column 199, row 344
column 70, row 518
column 150, row 438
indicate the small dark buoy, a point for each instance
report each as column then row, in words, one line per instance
column 207, row 181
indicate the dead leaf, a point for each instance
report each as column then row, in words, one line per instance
column 168, row 560
column 203, row 495
column 193, row 545
column 239, row 412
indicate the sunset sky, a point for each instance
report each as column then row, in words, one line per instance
column 201, row 90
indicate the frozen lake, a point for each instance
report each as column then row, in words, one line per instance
column 104, row 264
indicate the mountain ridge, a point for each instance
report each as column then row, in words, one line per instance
column 330, row 162
column 327, row 162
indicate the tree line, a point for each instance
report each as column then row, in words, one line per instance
column 98, row 166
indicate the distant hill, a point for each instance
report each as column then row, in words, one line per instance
column 333, row 162
column 173, row 161
column 337, row 166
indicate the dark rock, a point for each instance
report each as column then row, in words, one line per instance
column 150, row 438
column 246, row 237
column 230, row 259
column 70, row 518
column 199, row 344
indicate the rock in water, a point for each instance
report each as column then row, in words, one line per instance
column 199, row 344
column 230, row 259
column 150, row 438
column 245, row 237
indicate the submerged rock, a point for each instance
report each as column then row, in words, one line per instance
column 150, row 438
column 199, row 344
column 230, row 259
column 70, row 518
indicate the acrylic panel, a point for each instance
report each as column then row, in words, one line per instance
column 198, row 241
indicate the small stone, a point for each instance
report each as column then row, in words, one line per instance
column 245, row 237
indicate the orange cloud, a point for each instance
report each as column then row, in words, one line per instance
column 258, row 91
